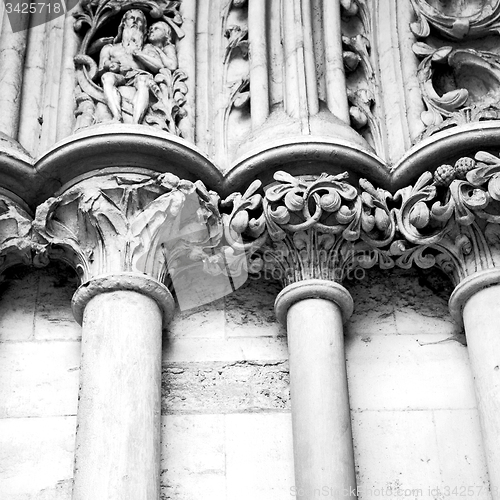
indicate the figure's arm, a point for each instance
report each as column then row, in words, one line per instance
column 152, row 63
column 169, row 57
column 166, row 58
column 106, row 62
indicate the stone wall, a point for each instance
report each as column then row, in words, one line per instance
column 226, row 425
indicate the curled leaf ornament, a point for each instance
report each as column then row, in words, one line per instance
column 494, row 187
column 294, row 201
column 330, row 201
column 382, row 220
column 419, row 215
column 280, row 215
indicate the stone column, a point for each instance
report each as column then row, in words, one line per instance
column 313, row 311
column 457, row 227
column 311, row 232
column 476, row 301
column 123, row 233
column 119, row 409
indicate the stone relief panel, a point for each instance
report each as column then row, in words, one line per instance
column 127, row 67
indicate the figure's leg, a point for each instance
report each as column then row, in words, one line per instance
column 113, row 97
column 141, row 98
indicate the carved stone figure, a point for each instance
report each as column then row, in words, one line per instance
column 135, row 77
column 120, row 65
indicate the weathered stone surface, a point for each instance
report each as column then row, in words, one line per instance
column 231, row 349
column 397, row 372
column 36, row 304
column 400, row 301
column 193, row 457
column 53, row 316
column 39, row 378
column 36, row 458
column 259, row 457
column 17, row 307
column 203, row 322
column 249, row 311
column 227, row 456
column 418, row 450
column 241, row 386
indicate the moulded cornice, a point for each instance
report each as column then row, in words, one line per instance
column 444, row 147
column 121, row 146
column 306, row 155
column 16, row 172
column 126, row 147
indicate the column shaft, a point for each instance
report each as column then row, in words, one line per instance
column 481, row 316
column 119, row 412
column 323, row 450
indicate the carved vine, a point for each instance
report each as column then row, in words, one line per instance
column 312, row 228
column 300, row 227
column 362, row 80
column 454, row 216
column 136, row 82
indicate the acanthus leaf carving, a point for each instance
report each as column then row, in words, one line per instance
column 130, row 223
column 18, row 244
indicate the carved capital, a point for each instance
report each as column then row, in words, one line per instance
column 131, row 223
column 17, row 244
column 307, row 228
column 452, row 218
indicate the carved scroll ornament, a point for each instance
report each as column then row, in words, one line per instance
column 314, row 228
column 453, row 216
column 132, row 76
column 298, row 228
column 456, row 19
column 458, row 86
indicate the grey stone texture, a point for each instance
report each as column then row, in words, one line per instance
column 226, row 430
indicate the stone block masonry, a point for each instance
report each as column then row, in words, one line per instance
column 226, row 424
